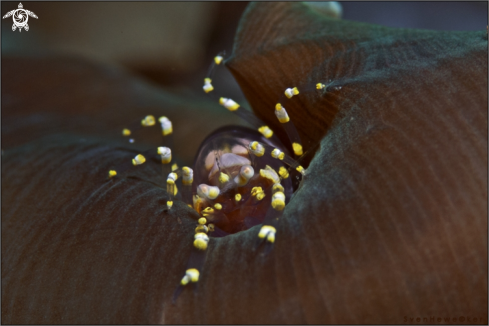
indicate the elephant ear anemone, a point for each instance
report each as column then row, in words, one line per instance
column 389, row 224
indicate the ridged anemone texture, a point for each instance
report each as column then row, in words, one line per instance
column 53, row 94
column 281, row 45
column 390, row 222
column 392, row 217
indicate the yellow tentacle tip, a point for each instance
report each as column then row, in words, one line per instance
column 169, row 204
column 218, row 59
column 228, row 104
column 208, row 88
column 112, row 173
column 202, row 221
column 278, row 201
column 278, row 154
column 266, row 131
column 166, row 125
column 201, row 240
column 289, row 92
column 301, row 169
column 126, row 132
column 207, row 85
column 187, row 176
column 297, row 149
column 256, row 148
column 191, row 275
column 237, row 197
column 138, row 160
column 320, row 86
column 165, row 154
column 148, row 121
column 282, row 171
column 258, row 193
column 267, row 231
column 281, row 113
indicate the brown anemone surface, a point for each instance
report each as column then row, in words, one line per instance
column 390, row 222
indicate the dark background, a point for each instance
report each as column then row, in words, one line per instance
column 172, row 43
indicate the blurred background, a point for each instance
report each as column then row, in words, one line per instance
column 172, row 43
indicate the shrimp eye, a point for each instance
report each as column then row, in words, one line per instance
column 232, row 181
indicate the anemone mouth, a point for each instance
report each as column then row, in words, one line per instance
column 222, row 141
column 224, row 155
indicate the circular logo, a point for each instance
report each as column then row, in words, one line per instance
column 20, row 17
